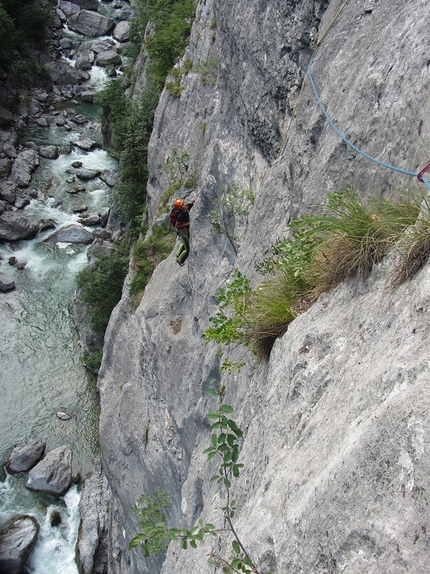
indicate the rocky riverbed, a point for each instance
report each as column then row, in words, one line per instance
column 87, row 45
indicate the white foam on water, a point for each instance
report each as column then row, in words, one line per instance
column 54, row 552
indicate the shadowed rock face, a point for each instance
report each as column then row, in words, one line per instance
column 336, row 423
column 90, row 23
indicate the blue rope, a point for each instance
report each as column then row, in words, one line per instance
column 354, row 147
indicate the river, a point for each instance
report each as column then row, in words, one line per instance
column 40, row 368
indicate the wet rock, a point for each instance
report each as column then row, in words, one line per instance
column 6, row 283
column 90, row 23
column 49, row 151
column 108, row 58
column 87, row 144
column 24, row 457
column 122, row 31
column 3, row 206
column 79, row 119
column 71, row 234
column 15, row 226
column 55, row 518
column 84, row 61
column 76, row 188
column 17, row 539
column 46, row 224
column 53, row 474
column 88, row 96
column 86, row 174
column 102, row 45
column 42, row 122
column 13, row 262
column 90, row 220
column 109, row 177
column 23, row 167
column 21, row 200
column 80, row 209
column 64, row 74
column 63, row 416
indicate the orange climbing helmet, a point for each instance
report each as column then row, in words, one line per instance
column 179, row 203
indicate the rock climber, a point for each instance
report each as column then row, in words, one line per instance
column 183, row 226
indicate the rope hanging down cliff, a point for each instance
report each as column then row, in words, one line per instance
column 419, row 175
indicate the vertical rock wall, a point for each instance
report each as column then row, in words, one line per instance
column 335, row 436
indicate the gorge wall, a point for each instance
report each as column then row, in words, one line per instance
column 336, row 424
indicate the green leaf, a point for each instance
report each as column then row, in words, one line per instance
column 214, row 478
column 212, row 392
column 210, row 449
column 193, row 544
column 226, row 409
column 222, row 437
column 227, row 483
column 209, row 526
column 236, row 546
column 214, row 439
column 211, row 455
column 213, row 416
column 184, row 544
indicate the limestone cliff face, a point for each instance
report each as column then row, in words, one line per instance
column 336, row 424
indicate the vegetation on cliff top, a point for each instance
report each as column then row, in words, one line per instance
column 25, row 26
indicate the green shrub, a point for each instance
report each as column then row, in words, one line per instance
column 101, row 285
column 351, row 236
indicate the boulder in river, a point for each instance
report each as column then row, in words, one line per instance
column 64, row 74
column 91, row 24
column 122, row 31
column 23, row 457
column 15, row 226
column 108, row 58
column 23, row 167
column 71, row 234
column 6, row 283
column 49, row 151
column 53, row 474
column 84, row 173
column 17, row 539
column 87, row 144
column 109, row 176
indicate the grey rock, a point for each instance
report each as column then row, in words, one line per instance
column 86, row 174
column 8, row 191
column 55, row 518
column 122, row 31
column 24, row 165
column 336, row 422
column 102, row 45
column 69, row 8
column 79, row 119
column 63, row 416
column 84, row 61
column 24, row 457
column 17, row 539
column 10, row 150
column 15, row 225
column 109, row 177
column 91, row 548
column 108, row 58
column 49, row 151
column 53, row 474
column 42, row 122
column 91, row 24
column 6, row 283
column 71, row 234
column 88, row 95
column 76, row 188
column 63, row 73
column 3, row 206
column 5, row 166
column 22, row 200
column 90, row 220
column 86, row 144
